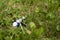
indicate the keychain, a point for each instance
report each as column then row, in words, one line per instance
column 18, row 22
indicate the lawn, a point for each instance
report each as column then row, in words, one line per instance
column 42, row 19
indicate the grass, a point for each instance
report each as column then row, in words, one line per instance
column 43, row 19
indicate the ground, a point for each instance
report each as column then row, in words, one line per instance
column 42, row 19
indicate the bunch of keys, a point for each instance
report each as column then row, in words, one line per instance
column 19, row 22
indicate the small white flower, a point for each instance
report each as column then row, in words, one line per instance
column 23, row 17
column 14, row 24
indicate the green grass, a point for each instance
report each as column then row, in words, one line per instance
column 43, row 19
